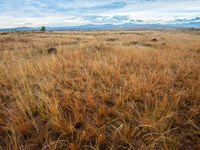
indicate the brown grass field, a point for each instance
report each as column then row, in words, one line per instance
column 103, row 90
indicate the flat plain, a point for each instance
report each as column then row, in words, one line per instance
column 101, row 90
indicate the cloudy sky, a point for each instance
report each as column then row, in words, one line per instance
column 33, row 13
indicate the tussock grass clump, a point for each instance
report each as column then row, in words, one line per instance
column 97, row 94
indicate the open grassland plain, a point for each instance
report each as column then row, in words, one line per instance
column 101, row 90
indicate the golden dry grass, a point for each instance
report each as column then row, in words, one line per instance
column 102, row 90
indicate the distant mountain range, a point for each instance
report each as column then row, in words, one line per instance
column 127, row 26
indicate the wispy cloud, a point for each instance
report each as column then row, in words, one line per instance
column 102, row 8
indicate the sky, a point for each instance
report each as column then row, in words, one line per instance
column 54, row 13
